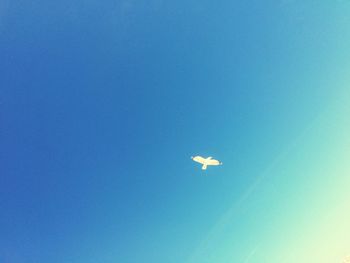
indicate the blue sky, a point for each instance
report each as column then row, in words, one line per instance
column 102, row 105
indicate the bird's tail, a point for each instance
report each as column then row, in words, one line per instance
column 204, row 167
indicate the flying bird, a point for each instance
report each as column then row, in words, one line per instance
column 206, row 161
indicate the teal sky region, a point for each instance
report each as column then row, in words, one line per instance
column 102, row 104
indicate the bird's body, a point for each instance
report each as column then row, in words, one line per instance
column 206, row 161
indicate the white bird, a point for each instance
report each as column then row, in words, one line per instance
column 206, row 161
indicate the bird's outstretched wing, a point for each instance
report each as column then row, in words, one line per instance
column 198, row 159
column 213, row 162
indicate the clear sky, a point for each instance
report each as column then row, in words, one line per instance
column 102, row 104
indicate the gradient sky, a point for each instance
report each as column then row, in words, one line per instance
column 102, row 103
